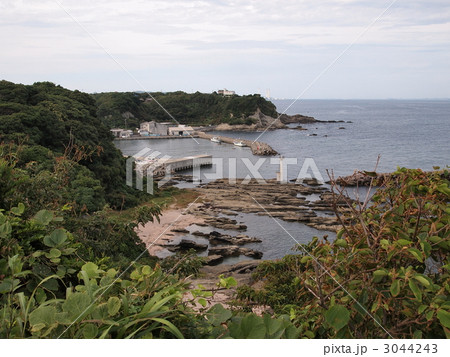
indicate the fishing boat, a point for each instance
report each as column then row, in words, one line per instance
column 239, row 143
column 215, row 139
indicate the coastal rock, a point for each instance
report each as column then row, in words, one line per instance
column 180, row 230
column 213, row 259
column 311, row 181
column 262, row 149
column 234, row 251
column 362, row 178
column 188, row 244
column 226, row 223
column 217, row 238
column 200, row 234
column 298, row 118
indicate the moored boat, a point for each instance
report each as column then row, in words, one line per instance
column 215, row 139
column 239, row 143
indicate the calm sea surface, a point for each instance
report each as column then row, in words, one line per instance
column 407, row 133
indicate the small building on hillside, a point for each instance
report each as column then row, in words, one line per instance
column 154, row 128
column 225, row 92
column 181, row 130
column 126, row 133
column 116, row 132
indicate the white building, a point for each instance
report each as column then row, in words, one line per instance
column 121, row 133
column 126, row 133
column 225, row 92
column 181, row 130
column 116, row 132
column 155, row 128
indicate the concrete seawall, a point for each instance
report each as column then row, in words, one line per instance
column 257, row 147
column 159, row 167
column 158, row 137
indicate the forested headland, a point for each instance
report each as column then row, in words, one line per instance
column 195, row 109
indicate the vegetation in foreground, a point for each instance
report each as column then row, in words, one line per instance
column 386, row 274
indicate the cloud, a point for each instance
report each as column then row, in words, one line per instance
column 216, row 35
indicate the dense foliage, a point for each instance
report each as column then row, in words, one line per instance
column 50, row 122
column 130, row 109
column 386, row 274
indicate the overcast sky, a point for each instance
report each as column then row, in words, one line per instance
column 244, row 45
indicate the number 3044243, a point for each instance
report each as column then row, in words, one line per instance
column 411, row 348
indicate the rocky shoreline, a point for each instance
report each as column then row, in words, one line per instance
column 264, row 122
column 222, row 199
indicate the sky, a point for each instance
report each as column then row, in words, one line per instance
column 313, row 49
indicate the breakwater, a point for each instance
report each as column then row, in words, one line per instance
column 257, row 147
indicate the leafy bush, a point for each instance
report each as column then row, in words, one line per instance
column 183, row 264
column 47, row 291
column 223, row 323
column 385, row 275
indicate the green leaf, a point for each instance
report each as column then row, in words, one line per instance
column 444, row 317
column 227, row 282
column 114, row 305
column 218, row 315
column 43, row 217
column 45, row 315
column 305, row 259
column 274, row 327
column 337, row 316
column 76, row 305
column 40, row 296
column 54, row 253
column 403, row 242
column 251, row 327
column 416, row 253
column 424, row 281
column 56, row 238
column 341, row 243
column 415, row 289
column 146, row 270
column 202, row 302
column 90, row 331
column 169, row 327
column 18, row 211
column 5, row 229
column 8, row 285
column 379, row 274
column 91, row 270
column 422, row 308
column 435, row 239
column 395, row 288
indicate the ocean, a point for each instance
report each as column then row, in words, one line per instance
column 405, row 133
